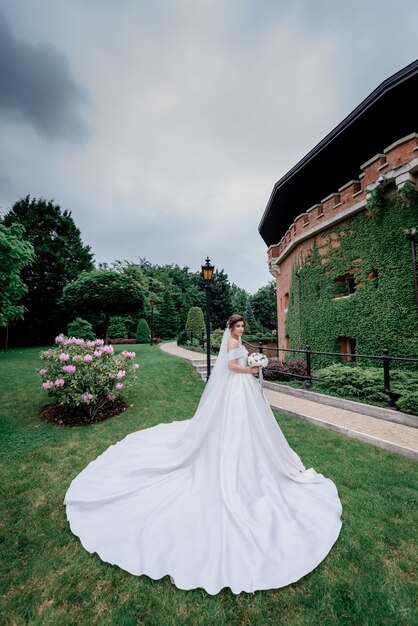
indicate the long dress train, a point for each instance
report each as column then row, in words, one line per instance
column 219, row 500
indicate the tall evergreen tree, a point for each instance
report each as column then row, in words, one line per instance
column 250, row 319
column 239, row 299
column 264, row 306
column 60, row 257
column 221, row 299
column 167, row 322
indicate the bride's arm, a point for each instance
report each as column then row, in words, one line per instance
column 239, row 369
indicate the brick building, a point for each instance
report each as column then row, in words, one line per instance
column 315, row 204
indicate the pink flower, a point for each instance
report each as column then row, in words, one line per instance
column 87, row 397
column 70, row 369
column 136, row 366
column 121, row 374
column 59, row 382
column 99, row 342
column 88, row 358
column 91, row 344
column 59, row 339
column 64, row 356
column 128, row 355
column 110, row 396
column 97, row 353
column 43, row 372
column 119, row 385
column 107, row 349
column 76, row 341
column 48, row 384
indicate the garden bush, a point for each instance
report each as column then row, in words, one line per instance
column 117, row 327
column 85, row 376
column 81, row 329
column 281, row 370
column 143, row 331
column 216, row 339
column 408, row 403
column 119, row 340
column 366, row 383
column 182, row 338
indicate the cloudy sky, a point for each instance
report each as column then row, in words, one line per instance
column 164, row 124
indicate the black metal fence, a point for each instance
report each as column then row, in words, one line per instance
column 307, row 353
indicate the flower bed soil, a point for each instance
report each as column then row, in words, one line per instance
column 60, row 416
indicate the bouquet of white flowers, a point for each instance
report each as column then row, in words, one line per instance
column 256, row 359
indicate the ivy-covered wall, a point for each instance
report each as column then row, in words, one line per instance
column 372, row 248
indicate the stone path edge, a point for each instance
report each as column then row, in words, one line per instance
column 354, row 434
column 350, row 405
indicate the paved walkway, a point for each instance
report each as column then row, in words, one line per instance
column 394, row 437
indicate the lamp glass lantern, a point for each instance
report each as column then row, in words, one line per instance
column 207, row 271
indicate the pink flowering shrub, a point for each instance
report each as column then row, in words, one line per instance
column 86, row 375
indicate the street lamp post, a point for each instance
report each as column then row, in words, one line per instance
column 207, row 273
column 152, row 303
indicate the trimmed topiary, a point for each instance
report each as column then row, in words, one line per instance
column 195, row 320
column 143, row 332
column 81, row 329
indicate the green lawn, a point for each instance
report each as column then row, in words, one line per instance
column 48, row 578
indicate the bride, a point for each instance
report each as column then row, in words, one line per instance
column 219, row 500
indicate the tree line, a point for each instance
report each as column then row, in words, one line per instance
column 48, row 279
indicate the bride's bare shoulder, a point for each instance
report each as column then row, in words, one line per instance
column 233, row 343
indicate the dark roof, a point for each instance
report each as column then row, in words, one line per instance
column 386, row 115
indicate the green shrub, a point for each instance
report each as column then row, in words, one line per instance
column 143, row 332
column 81, row 329
column 182, row 338
column 117, row 327
column 195, row 320
column 366, row 384
column 408, row 403
column 216, row 339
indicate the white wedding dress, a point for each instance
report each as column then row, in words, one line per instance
column 219, row 500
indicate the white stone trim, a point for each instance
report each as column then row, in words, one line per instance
column 351, row 182
column 400, row 142
column 372, row 160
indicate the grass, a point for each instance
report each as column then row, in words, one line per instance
column 48, row 578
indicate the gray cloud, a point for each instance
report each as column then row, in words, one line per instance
column 198, row 108
column 37, row 86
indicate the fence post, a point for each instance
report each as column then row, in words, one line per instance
column 386, row 373
column 308, row 353
column 393, row 396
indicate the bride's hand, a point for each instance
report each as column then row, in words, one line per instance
column 254, row 370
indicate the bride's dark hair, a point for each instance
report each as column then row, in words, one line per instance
column 234, row 319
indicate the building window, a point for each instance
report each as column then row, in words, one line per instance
column 287, row 342
column 348, row 348
column 345, row 285
column 286, row 300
